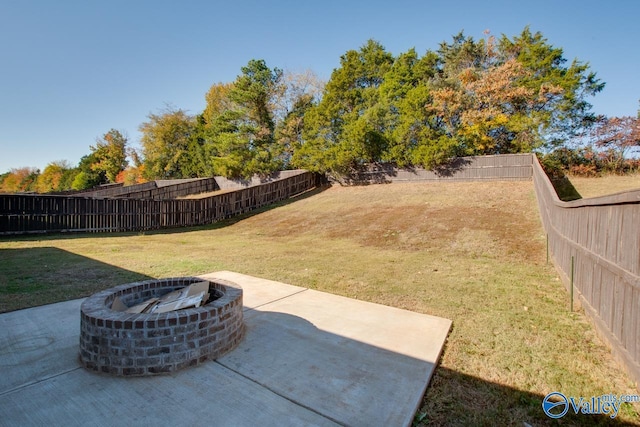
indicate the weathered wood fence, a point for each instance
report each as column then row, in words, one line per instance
column 600, row 239
column 157, row 190
column 504, row 167
column 42, row 214
column 175, row 188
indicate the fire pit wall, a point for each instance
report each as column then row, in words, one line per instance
column 125, row 344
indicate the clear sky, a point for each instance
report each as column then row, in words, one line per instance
column 70, row 70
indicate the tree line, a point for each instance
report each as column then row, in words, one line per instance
column 494, row 95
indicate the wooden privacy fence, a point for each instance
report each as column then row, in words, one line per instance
column 43, row 214
column 157, row 190
column 503, row 167
column 600, row 239
column 175, row 188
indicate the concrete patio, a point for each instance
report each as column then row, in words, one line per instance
column 308, row 358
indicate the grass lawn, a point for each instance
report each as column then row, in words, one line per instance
column 604, row 185
column 470, row 252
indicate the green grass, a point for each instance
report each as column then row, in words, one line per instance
column 470, row 252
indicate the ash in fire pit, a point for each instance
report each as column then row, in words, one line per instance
column 118, row 337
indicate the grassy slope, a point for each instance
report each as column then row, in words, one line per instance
column 470, row 252
column 604, row 185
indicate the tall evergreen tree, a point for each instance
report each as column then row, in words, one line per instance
column 347, row 127
column 241, row 133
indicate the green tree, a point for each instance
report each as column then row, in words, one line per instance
column 296, row 94
column 559, row 109
column 53, row 177
column 240, row 127
column 110, row 154
column 494, row 97
column 405, row 93
column 68, row 176
column 82, row 181
column 347, row 127
column 217, row 102
column 290, row 128
column 87, row 176
column 170, row 146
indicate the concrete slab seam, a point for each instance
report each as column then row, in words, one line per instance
column 275, row 300
column 41, row 380
column 266, row 387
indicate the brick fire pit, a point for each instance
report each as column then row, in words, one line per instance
column 124, row 344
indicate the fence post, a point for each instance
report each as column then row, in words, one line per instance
column 571, row 291
column 547, row 248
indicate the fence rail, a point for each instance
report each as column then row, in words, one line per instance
column 44, row 214
column 600, row 237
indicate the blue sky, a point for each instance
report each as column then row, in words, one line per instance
column 71, row 70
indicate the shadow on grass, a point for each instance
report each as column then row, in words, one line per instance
column 35, row 276
column 454, row 398
column 565, row 189
column 213, row 226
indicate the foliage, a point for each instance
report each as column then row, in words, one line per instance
column 83, row 180
column 110, row 154
column 618, row 136
column 168, row 145
column 347, row 127
column 587, row 161
column 297, row 94
column 406, row 91
column 468, row 97
column 240, row 123
column 19, row 180
column 559, row 107
column 131, row 175
column 217, row 99
column 57, row 176
column 88, row 176
column 485, row 112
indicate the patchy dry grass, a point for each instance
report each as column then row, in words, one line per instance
column 605, row 185
column 470, row 252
